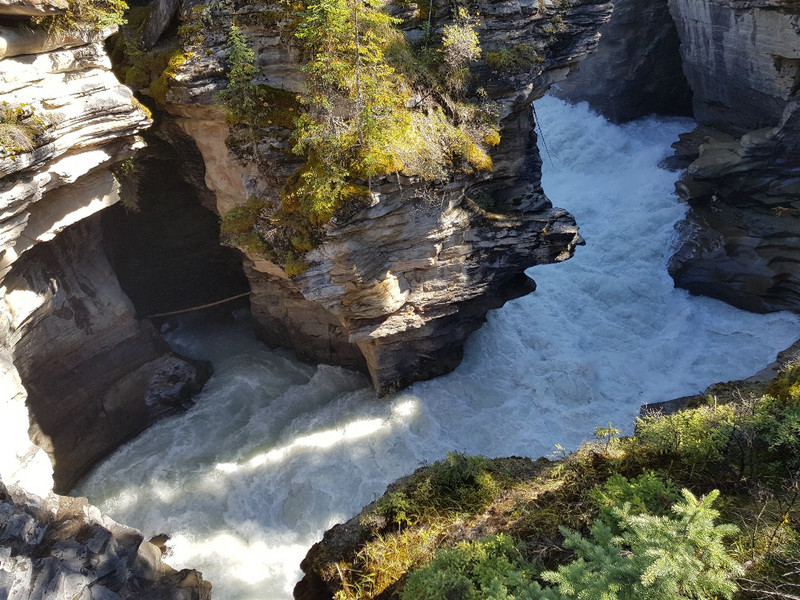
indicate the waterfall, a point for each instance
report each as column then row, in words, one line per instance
column 276, row 451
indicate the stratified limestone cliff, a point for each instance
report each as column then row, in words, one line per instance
column 78, row 373
column 636, row 70
column 741, row 239
column 396, row 286
column 78, row 370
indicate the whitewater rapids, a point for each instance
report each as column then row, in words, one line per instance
column 276, row 451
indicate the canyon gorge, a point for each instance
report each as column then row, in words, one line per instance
column 111, row 213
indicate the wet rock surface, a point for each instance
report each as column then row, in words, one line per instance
column 60, row 547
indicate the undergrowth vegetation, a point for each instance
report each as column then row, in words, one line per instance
column 150, row 71
column 375, row 105
column 19, row 127
column 700, row 504
column 95, row 15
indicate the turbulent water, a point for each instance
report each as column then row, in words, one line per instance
column 276, row 451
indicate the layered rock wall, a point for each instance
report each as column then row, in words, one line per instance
column 78, row 373
column 637, row 68
column 75, row 362
column 741, row 60
column 94, row 375
column 741, row 239
column 397, row 286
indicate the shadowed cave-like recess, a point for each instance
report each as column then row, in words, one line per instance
column 166, row 251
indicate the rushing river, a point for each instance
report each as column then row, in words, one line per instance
column 276, row 451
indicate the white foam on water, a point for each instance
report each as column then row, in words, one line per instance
column 276, row 451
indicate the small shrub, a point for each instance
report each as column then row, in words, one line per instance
column 492, row 138
column 491, row 568
column 238, row 96
column 241, row 219
column 502, row 59
column 478, row 158
column 460, row 43
column 609, row 435
column 19, row 127
column 293, row 265
column 125, row 172
column 238, row 228
column 694, row 439
column 786, row 385
column 646, row 493
column 460, row 47
column 460, row 483
column 397, row 508
column 777, row 424
column 82, row 14
column 514, row 59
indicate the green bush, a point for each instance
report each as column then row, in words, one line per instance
column 82, row 14
column 777, row 423
column 491, row 568
column 398, row 508
column 646, row 493
column 695, row 439
column 786, row 385
column 514, row 59
column 240, row 219
column 239, row 96
column 460, row 483
column 679, row 556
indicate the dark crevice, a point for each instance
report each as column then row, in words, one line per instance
column 167, row 255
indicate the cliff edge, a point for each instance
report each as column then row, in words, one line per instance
column 80, row 373
column 394, row 264
column 741, row 239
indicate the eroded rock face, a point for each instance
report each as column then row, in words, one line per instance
column 95, row 376
column 78, row 370
column 78, row 373
column 741, row 240
column 636, row 69
column 83, row 121
column 409, row 299
column 59, row 547
column 397, row 286
column 741, row 58
column 167, row 254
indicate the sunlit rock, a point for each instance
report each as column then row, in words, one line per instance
column 397, row 287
